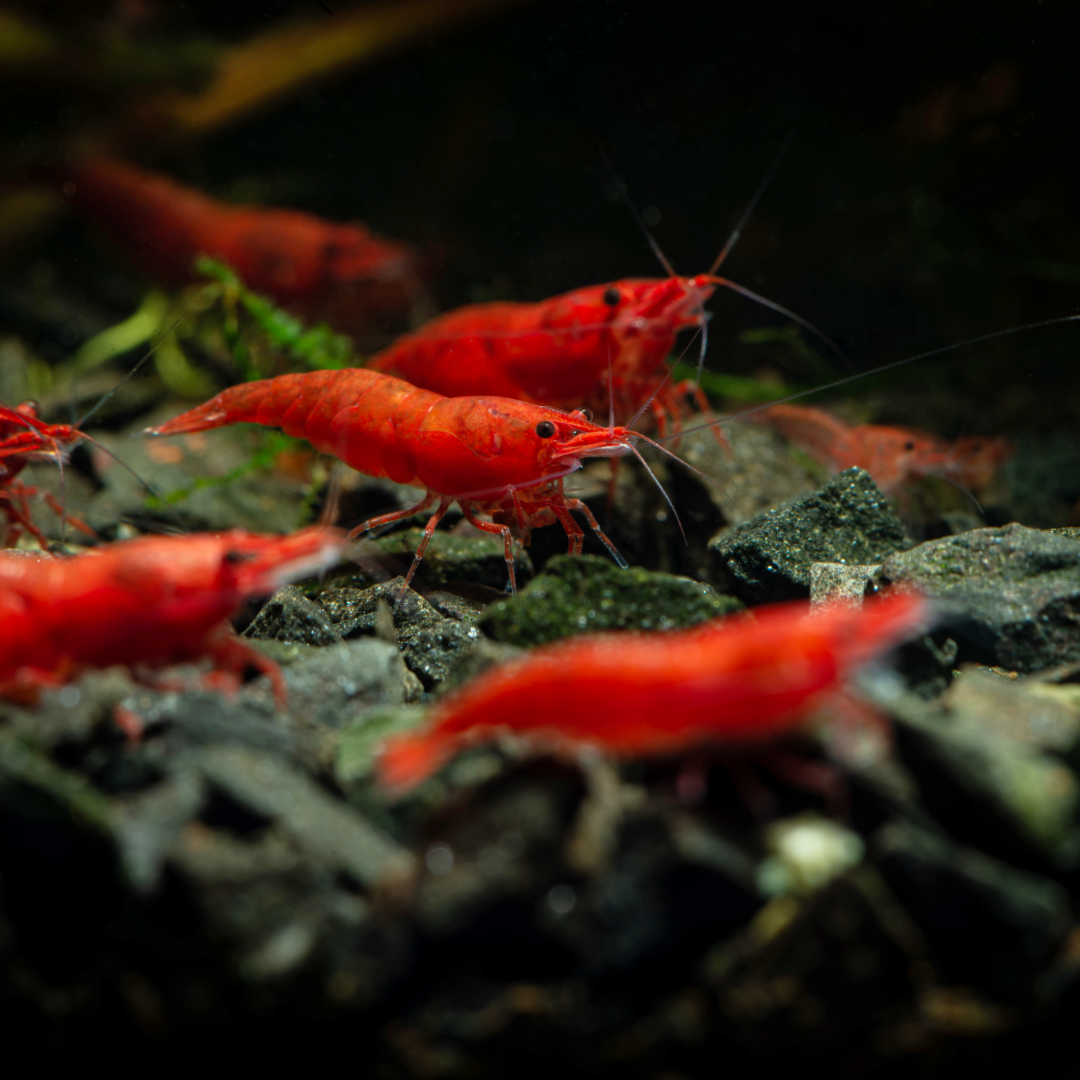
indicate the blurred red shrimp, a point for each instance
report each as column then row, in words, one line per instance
column 299, row 260
column 145, row 603
column 738, row 681
column 974, row 460
column 25, row 438
column 492, row 455
column 895, row 457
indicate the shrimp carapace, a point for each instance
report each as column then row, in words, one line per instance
column 739, row 681
column 600, row 348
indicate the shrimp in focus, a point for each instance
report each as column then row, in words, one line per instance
column 735, row 682
column 491, row 455
column 599, row 348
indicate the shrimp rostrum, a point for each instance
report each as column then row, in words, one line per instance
column 494, row 456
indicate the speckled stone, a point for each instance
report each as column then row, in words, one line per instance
column 848, row 520
column 1011, row 595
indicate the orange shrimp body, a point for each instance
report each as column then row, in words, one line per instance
column 974, row 460
column 296, row 258
column 895, row 457
column 736, row 681
column 25, row 438
column 492, row 455
column 556, row 352
column 151, row 601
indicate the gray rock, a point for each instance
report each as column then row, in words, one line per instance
column 325, row 827
column 832, row 582
column 206, row 479
column 1012, row 594
column 989, row 789
column 984, row 921
column 758, row 470
column 337, row 684
column 1036, row 714
column 149, row 824
column 290, row 616
column 430, row 642
column 848, row 520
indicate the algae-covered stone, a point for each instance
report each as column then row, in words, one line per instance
column 355, row 759
column 585, row 593
column 1012, row 594
column 480, row 560
column 848, row 520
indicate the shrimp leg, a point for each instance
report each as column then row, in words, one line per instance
column 400, row 515
column 498, row 530
column 562, row 510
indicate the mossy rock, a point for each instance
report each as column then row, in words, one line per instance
column 586, row 593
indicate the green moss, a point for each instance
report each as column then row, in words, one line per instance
column 585, row 593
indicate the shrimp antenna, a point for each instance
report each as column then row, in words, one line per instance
column 675, row 457
column 121, row 462
column 671, row 370
column 742, row 290
column 611, row 391
column 63, row 494
column 1061, row 320
column 733, row 239
column 966, row 490
column 146, row 356
column 704, row 327
column 667, row 498
column 637, row 217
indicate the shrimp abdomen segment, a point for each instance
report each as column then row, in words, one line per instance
column 366, row 419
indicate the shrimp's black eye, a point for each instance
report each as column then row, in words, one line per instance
column 909, row 445
column 545, row 429
column 234, row 557
column 611, row 296
column 587, row 413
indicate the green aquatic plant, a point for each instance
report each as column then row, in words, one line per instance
column 222, row 319
column 316, row 347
